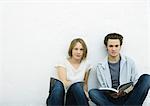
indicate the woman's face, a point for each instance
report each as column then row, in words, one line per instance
column 77, row 51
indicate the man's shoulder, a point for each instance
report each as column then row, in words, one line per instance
column 97, row 66
column 127, row 59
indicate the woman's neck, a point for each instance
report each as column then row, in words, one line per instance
column 74, row 61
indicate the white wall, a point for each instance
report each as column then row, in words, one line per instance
column 149, row 30
column 36, row 35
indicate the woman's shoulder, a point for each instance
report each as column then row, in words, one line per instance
column 87, row 64
column 61, row 63
column 86, row 61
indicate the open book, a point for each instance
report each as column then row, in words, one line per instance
column 127, row 87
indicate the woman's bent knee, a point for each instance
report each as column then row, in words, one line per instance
column 77, row 85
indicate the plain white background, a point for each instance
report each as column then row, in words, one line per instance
column 35, row 35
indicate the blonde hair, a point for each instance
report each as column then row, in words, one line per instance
column 72, row 45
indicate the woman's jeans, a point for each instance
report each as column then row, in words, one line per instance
column 135, row 98
column 75, row 94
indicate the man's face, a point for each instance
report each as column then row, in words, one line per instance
column 113, row 47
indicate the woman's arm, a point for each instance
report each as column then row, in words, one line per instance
column 86, row 80
column 62, row 75
column 86, row 83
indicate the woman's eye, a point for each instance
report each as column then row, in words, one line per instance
column 75, row 48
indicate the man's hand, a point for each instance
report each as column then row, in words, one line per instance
column 117, row 95
column 120, row 94
column 113, row 95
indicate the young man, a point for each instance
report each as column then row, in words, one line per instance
column 116, row 70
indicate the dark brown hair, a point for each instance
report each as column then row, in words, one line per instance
column 113, row 36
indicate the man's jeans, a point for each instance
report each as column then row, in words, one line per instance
column 75, row 94
column 135, row 98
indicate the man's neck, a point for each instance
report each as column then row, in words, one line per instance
column 112, row 59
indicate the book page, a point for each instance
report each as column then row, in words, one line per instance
column 124, row 86
column 111, row 90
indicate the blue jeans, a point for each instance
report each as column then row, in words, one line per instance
column 75, row 95
column 135, row 98
column 56, row 93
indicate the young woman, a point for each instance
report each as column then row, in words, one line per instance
column 71, row 75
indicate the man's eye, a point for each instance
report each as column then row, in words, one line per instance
column 116, row 45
